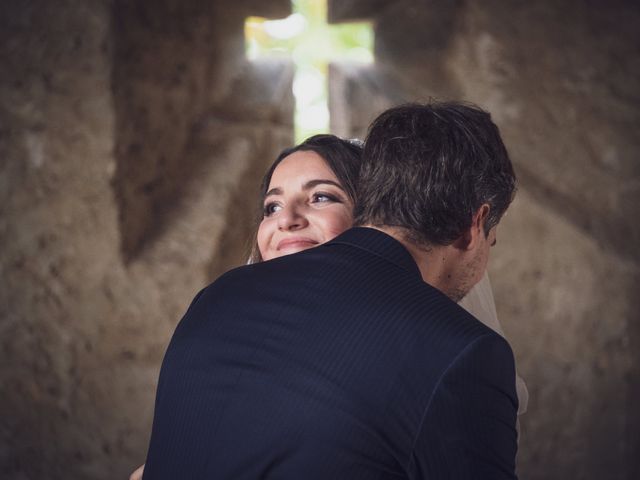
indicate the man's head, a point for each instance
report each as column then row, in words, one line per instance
column 439, row 173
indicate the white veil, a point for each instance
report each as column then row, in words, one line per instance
column 479, row 302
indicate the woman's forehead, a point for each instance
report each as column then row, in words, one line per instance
column 300, row 167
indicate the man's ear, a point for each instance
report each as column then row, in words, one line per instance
column 471, row 237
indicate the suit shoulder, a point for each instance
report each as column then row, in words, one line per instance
column 473, row 408
column 237, row 275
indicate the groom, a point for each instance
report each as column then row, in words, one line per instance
column 344, row 361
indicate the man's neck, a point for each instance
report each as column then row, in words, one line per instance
column 433, row 262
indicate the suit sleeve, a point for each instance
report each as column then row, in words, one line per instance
column 160, row 445
column 469, row 427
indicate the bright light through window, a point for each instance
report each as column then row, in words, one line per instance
column 311, row 44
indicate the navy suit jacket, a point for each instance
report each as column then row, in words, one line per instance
column 338, row 362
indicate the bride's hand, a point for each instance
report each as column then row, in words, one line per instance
column 137, row 475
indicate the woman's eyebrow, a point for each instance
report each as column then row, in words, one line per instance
column 273, row 191
column 312, row 183
column 307, row 186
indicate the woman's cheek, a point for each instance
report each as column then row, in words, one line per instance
column 338, row 224
column 263, row 237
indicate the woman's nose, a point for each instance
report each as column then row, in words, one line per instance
column 291, row 218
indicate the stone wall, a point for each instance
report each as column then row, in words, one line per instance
column 132, row 138
column 561, row 80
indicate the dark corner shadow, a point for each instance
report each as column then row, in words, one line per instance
column 166, row 82
column 158, row 91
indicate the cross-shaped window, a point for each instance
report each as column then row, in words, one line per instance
column 312, row 44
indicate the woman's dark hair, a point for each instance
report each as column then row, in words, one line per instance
column 341, row 156
column 427, row 168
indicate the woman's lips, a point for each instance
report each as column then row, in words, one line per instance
column 296, row 242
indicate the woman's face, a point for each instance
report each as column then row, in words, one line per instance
column 304, row 206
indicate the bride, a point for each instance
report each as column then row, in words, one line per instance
column 307, row 199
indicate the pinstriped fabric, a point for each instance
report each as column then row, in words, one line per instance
column 334, row 363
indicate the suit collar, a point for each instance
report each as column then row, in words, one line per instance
column 380, row 244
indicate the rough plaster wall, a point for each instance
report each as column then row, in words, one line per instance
column 101, row 254
column 58, row 243
column 562, row 82
column 96, row 269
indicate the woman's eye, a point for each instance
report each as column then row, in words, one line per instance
column 271, row 208
column 324, row 197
